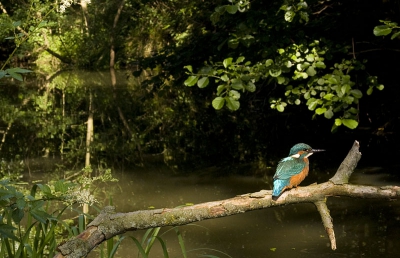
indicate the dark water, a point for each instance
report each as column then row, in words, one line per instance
column 363, row 228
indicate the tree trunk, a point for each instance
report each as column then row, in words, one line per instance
column 109, row 224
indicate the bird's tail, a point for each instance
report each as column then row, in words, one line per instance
column 279, row 186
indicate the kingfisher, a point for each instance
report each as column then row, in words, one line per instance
column 292, row 170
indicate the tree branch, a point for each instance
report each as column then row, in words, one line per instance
column 109, row 224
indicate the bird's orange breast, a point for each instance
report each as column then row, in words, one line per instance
column 297, row 179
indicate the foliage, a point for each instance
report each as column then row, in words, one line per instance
column 387, row 28
column 38, row 237
column 305, row 70
column 30, row 222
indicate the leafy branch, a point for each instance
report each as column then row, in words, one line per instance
column 20, row 38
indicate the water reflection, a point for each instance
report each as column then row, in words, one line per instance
column 364, row 228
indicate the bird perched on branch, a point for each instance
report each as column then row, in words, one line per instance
column 292, row 170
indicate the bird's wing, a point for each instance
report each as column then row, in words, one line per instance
column 288, row 167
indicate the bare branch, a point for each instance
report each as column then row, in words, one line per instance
column 348, row 165
column 327, row 221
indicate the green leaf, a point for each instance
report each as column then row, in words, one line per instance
column 269, row 62
column 328, row 114
column 15, row 75
column 313, row 105
column 16, row 24
column 250, row 87
column 189, row 67
column 280, row 79
column 227, row 62
column 225, row 78
column 218, row 103
column 234, row 94
column 338, row 122
column 2, row 73
column 310, row 57
column 320, row 65
column 237, row 84
column 382, row 30
column 370, row 90
column 17, row 215
column 328, row 96
column 203, row 82
column 191, row 80
column 356, row 93
column 380, row 87
column 220, row 88
column 311, row 71
column 350, row 123
column 275, row 72
column 232, row 9
column 18, row 70
column 289, row 15
column 232, row 104
column 40, row 215
column 395, row 35
column 280, row 107
column 320, row 111
column 233, row 43
column 240, row 59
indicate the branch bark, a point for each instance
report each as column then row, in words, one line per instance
column 109, row 223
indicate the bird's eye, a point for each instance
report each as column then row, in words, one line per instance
column 305, row 149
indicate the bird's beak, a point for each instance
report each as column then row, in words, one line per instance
column 316, row 150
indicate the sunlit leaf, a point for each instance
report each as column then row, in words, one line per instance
column 350, row 123
column 280, row 79
column 338, row 122
column 203, row 82
column 220, row 88
column 225, row 78
column 250, row 87
column 320, row 65
column 328, row 114
column 280, row 107
column 234, row 94
column 218, row 103
column 189, row 67
column 320, row 111
column 240, row 59
column 313, row 105
column 237, row 84
column 227, row 62
column 275, row 72
column 311, row 71
column 382, row 30
column 232, row 104
column 269, row 62
column 289, row 15
column 191, row 80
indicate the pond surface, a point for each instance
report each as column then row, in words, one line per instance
column 363, row 228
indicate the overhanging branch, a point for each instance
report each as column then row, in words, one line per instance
column 109, row 224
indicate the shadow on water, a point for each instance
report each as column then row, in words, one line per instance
column 364, row 228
